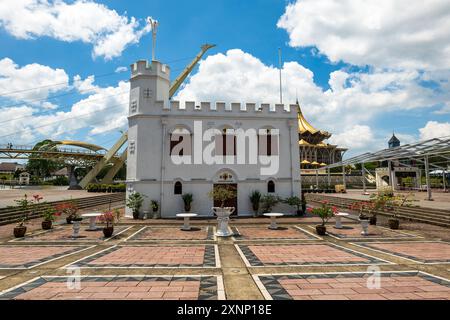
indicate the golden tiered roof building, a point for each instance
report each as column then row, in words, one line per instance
column 315, row 152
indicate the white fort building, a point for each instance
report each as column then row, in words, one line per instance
column 250, row 146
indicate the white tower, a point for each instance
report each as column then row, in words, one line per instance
column 149, row 97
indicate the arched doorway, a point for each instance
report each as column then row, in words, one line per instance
column 227, row 179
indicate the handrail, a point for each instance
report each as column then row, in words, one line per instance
column 30, row 149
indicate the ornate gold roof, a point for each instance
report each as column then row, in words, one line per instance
column 304, row 143
column 304, row 126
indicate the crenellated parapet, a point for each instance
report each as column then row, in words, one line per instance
column 233, row 107
column 145, row 68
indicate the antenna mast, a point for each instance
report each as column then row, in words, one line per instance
column 279, row 65
column 154, row 24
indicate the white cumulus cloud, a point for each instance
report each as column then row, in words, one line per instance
column 30, row 83
column 82, row 20
column 434, row 129
column 356, row 137
column 380, row 33
column 346, row 109
column 104, row 109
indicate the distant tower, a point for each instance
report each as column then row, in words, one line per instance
column 393, row 142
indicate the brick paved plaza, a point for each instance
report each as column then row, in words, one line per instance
column 354, row 232
column 154, row 259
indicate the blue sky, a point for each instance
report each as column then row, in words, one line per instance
column 375, row 91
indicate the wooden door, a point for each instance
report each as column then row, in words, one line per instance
column 230, row 202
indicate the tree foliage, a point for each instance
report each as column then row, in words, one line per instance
column 42, row 168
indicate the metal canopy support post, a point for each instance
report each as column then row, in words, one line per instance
column 391, row 176
column 343, row 178
column 427, row 176
column 329, row 178
column 444, row 177
column 363, row 174
column 317, row 179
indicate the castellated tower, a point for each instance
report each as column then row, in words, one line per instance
column 154, row 120
column 149, row 94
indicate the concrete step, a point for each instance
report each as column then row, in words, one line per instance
column 79, row 201
column 80, row 204
column 83, row 203
column 410, row 209
column 423, row 216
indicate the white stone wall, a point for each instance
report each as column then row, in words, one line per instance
column 149, row 167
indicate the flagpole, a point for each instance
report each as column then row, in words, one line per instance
column 279, row 66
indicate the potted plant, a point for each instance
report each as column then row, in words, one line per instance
column 69, row 209
column 222, row 194
column 295, row 202
column 25, row 205
column 154, row 205
column 395, row 203
column 134, row 202
column 49, row 215
column 268, row 202
column 255, row 198
column 108, row 218
column 325, row 212
column 20, row 229
column 187, row 200
column 377, row 202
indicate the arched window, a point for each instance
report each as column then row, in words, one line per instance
column 267, row 143
column 226, row 144
column 178, row 188
column 271, row 186
column 178, row 136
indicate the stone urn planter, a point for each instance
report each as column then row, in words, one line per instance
column 223, row 217
column 76, row 227
column 364, row 226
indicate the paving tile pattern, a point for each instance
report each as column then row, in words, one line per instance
column 425, row 252
column 354, row 232
column 303, row 254
column 23, row 257
column 152, row 256
column 264, row 233
column 393, row 286
column 118, row 287
column 64, row 234
column 174, row 233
